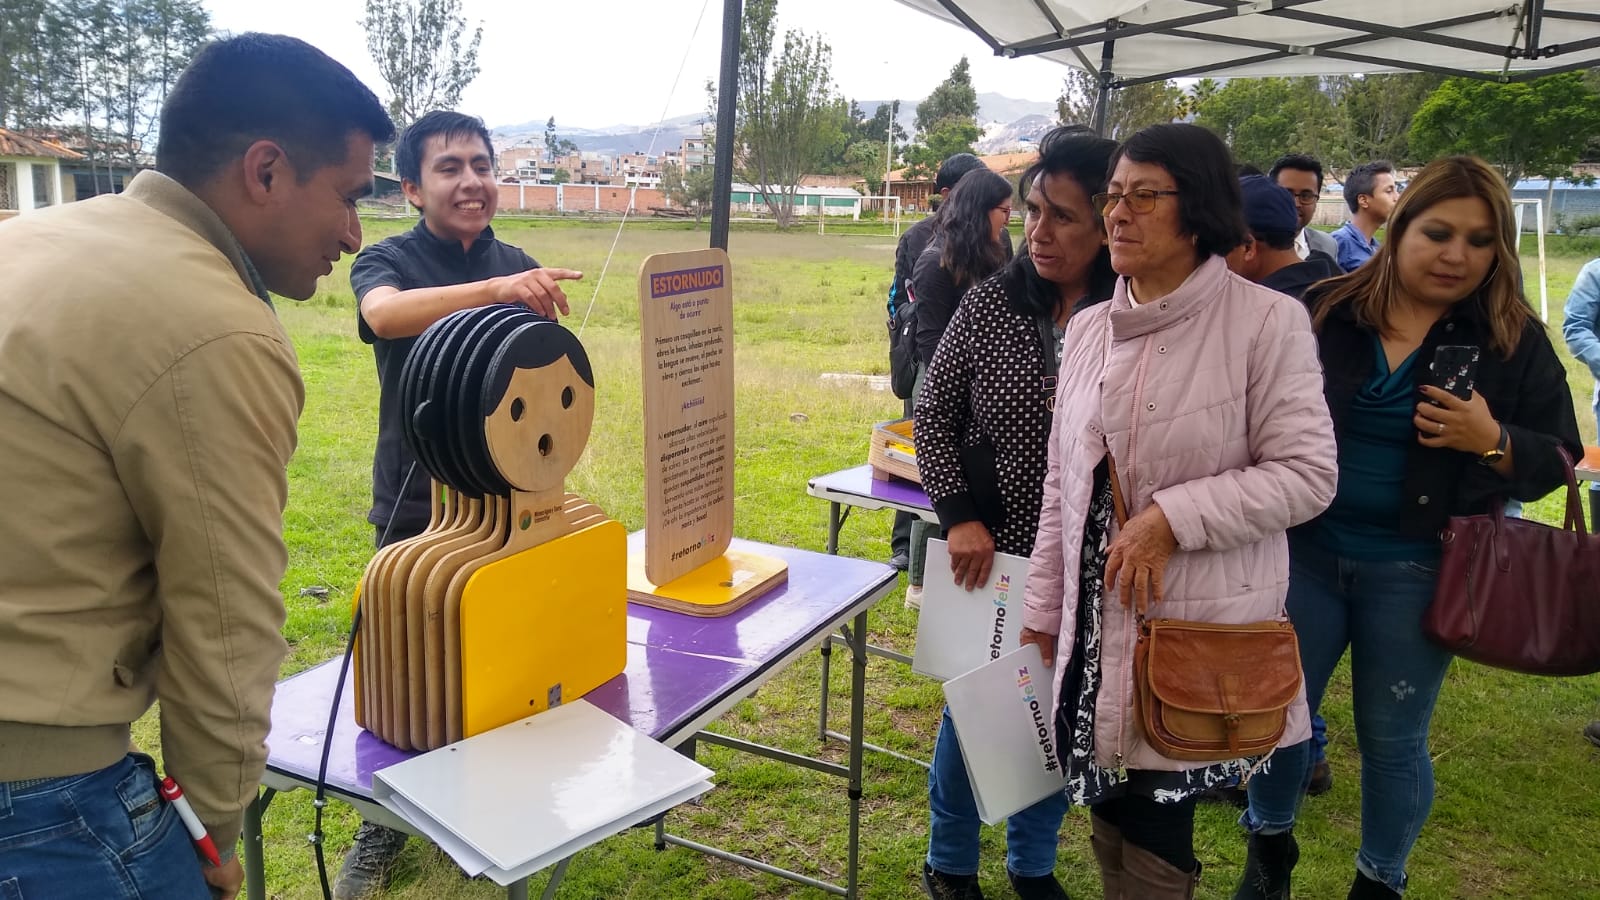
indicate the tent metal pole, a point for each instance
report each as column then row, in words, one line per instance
column 727, row 105
column 1103, row 101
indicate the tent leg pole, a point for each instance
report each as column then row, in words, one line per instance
column 1103, row 100
column 727, row 104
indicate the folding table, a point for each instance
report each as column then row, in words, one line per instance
column 682, row 674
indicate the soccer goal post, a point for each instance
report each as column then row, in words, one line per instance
column 1521, row 207
column 886, row 204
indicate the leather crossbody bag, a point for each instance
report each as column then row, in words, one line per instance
column 1206, row 691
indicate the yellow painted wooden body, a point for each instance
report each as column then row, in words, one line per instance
column 548, row 622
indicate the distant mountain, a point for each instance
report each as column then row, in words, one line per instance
column 1013, row 137
column 998, row 108
column 991, row 108
column 611, row 140
column 1007, row 122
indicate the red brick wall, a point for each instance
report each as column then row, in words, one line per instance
column 577, row 198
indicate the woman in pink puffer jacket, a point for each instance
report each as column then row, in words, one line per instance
column 1208, row 392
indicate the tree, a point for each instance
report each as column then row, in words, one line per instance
column 947, row 123
column 1130, row 108
column 866, row 160
column 948, row 138
column 422, row 54
column 37, row 65
column 1261, row 119
column 886, row 116
column 1539, row 127
column 789, row 117
column 562, row 176
column 953, row 99
column 692, row 191
column 1372, row 118
column 556, row 146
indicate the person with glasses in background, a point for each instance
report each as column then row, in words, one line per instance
column 1206, row 391
column 1301, row 176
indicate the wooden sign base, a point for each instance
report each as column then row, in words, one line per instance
column 717, row 588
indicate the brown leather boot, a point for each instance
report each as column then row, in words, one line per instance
column 1147, row 876
column 1106, row 839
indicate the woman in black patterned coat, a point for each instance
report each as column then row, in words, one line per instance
column 982, row 428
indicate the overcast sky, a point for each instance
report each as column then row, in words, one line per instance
column 614, row 62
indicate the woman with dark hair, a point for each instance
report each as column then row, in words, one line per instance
column 983, row 420
column 1410, row 456
column 969, row 244
column 1204, row 389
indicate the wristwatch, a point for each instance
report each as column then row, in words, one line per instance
column 1490, row 457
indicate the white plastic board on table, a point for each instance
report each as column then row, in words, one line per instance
column 523, row 796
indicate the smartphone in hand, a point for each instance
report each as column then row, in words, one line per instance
column 1454, row 369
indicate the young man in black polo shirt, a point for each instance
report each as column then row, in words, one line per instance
column 448, row 262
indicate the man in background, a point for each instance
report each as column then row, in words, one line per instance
column 148, row 407
column 1301, row 176
column 1268, row 257
column 1370, row 192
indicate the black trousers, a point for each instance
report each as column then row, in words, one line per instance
column 1165, row 829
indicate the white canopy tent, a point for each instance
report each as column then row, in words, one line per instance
column 1129, row 42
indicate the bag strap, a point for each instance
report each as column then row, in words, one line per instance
column 1118, row 506
column 1574, row 505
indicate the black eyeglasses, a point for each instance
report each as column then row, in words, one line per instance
column 1140, row 201
column 1304, row 198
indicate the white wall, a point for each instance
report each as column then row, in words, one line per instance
column 23, row 189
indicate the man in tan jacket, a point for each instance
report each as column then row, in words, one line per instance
column 148, row 402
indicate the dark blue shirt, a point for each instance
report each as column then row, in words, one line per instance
column 1361, row 522
column 415, row 259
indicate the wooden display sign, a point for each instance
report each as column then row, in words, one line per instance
column 513, row 600
column 686, row 327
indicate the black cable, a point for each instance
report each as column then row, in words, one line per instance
column 321, row 802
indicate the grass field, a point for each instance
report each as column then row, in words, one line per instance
column 1519, row 789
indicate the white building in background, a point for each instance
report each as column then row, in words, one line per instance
column 30, row 173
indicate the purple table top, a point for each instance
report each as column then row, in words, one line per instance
column 851, row 485
column 678, row 667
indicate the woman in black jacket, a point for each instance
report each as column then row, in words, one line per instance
column 969, row 244
column 1410, row 456
column 982, row 427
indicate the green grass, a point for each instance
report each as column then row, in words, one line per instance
column 1519, row 790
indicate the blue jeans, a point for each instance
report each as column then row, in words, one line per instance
column 106, row 835
column 1031, row 835
column 1374, row 608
